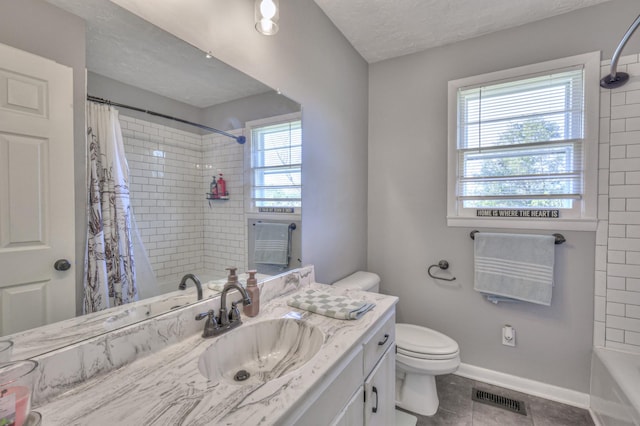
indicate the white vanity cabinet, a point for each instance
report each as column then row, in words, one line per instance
column 380, row 374
column 373, row 403
column 360, row 389
column 379, row 389
column 353, row 413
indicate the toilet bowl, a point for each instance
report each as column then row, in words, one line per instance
column 421, row 355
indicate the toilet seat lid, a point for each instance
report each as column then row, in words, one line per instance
column 422, row 340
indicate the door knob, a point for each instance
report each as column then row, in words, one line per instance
column 61, row 265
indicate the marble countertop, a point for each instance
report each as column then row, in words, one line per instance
column 34, row 342
column 166, row 386
column 47, row 338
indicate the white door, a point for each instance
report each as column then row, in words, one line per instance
column 36, row 191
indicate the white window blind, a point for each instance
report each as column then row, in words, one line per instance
column 276, row 165
column 520, row 142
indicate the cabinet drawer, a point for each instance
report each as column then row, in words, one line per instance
column 378, row 342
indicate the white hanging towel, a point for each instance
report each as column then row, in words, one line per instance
column 514, row 266
column 271, row 244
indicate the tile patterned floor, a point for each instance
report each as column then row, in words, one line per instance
column 458, row 409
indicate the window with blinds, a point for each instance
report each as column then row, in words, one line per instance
column 520, row 142
column 525, row 139
column 276, row 165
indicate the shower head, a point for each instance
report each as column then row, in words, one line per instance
column 617, row 79
column 611, row 81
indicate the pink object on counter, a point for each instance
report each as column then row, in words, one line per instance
column 20, row 398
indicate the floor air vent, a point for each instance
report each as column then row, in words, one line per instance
column 498, row 401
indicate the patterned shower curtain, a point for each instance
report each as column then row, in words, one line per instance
column 109, row 278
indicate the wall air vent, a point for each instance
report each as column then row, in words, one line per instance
column 498, row 401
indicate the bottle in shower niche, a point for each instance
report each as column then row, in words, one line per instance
column 213, row 188
column 222, row 186
column 254, row 293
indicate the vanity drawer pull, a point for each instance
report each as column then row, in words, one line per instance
column 383, row 341
column 375, row 409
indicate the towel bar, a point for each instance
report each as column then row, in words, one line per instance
column 559, row 237
column 292, row 226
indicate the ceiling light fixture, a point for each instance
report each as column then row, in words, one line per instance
column 267, row 15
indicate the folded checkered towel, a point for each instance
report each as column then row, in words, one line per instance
column 339, row 307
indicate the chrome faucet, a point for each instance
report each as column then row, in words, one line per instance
column 225, row 321
column 183, row 284
column 235, row 321
column 210, row 325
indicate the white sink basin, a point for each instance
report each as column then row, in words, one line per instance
column 265, row 350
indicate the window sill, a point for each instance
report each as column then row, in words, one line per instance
column 273, row 216
column 546, row 224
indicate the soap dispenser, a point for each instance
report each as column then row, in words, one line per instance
column 254, row 293
column 232, row 278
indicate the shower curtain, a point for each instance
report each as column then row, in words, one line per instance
column 109, row 278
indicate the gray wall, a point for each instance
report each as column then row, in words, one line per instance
column 226, row 116
column 312, row 63
column 45, row 30
column 233, row 114
column 407, row 228
column 107, row 88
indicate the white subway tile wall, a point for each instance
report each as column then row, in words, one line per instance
column 170, row 172
column 617, row 292
column 224, row 221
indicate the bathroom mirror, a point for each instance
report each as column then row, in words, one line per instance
column 130, row 61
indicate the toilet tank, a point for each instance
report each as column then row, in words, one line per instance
column 361, row 280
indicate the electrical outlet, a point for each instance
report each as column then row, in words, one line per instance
column 508, row 335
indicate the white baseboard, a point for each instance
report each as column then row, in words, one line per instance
column 528, row 386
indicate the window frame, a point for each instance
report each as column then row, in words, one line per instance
column 250, row 207
column 583, row 218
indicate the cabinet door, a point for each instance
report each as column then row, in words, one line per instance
column 380, row 391
column 352, row 414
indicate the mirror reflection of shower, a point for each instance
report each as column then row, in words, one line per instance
column 178, row 227
column 130, row 61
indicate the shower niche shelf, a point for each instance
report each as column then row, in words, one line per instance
column 211, row 197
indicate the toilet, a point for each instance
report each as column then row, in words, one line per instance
column 421, row 355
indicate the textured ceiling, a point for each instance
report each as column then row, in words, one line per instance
column 128, row 49
column 383, row 29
